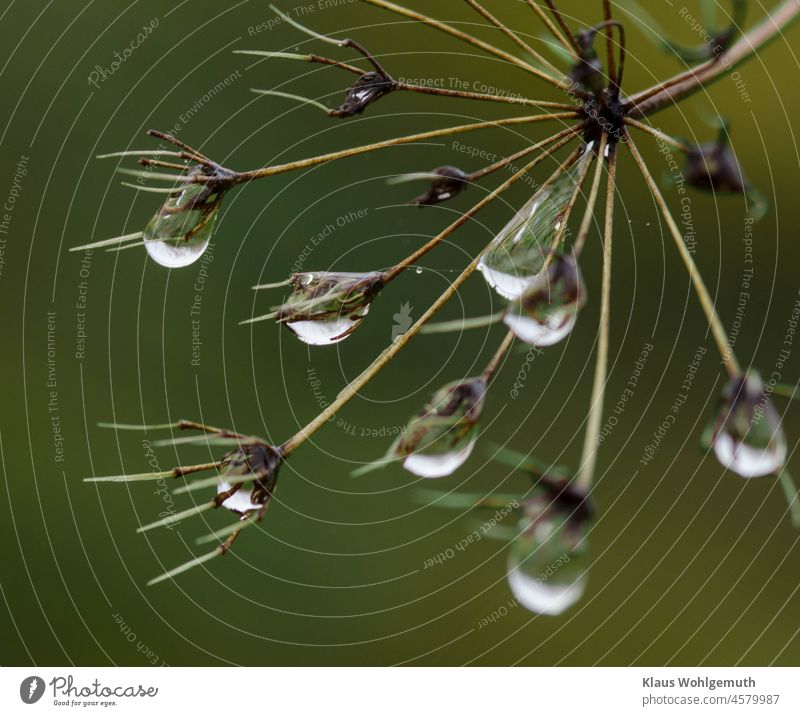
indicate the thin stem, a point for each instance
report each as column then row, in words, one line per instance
column 463, row 324
column 513, row 36
column 109, row 242
column 564, row 27
column 450, row 30
column 195, row 561
column 611, row 68
column 663, row 95
column 145, row 162
column 436, row 240
column 494, row 363
column 505, row 161
column 792, row 497
column 714, row 322
column 178, row 516
column 318, row 59
column 658, row 134
column 508, row 99
column 554, row 31
column 352, row 388
column 396, row 142
column 296, row 97
column 166, row 474
column 594, row 422
column 588, row 214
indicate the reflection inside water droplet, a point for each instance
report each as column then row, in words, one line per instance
column 747, row 460
column 239, row 501
column 326, row 333
column 176, row 254
column 432, row 465
column 555, row 328
column 544, row 597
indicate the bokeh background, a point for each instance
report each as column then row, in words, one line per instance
column 689, row 565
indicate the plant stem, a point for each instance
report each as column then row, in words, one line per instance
column 658, row 134
column 668, row 93
column 505, row 161
column 352, row 388
column 436, row 240
column 450, row 30
column 588, row 214
column 494, row 363
column 554, row 31
column 513, row 36
column 594, row 422
column 564, row 27
column 396, row 142
column 611, row 69
column 714, row 322
column 507, row 99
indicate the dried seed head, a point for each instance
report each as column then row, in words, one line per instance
column 439, row 439
column 747, row 436
column 450, row 181
column 547, row 569
column 546, row 313
column 326, row 307
column 369, row 88
column 248, row 478
column 181, row 230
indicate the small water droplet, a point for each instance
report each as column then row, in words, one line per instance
column 419, row 270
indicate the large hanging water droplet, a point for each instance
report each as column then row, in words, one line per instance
column 326, row 307
column 547, row 311
column 547, row 569
column 519, row 250
column 254, row 466
column 181, row 230
column 747, row 436
column 439, row 439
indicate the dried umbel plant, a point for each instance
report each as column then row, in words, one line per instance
column 533, row 263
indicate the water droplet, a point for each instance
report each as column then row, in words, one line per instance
column 747, row 436
column 518, row 252
column 181, row 230
column 326, row 307
column 419, row 270
column 547, row 570
column 547, row 311
column 441, row 464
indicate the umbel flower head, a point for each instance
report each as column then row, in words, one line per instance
column 368, row 88
column 325, row 307
column 180, row 231
column 248, row 477
column 546, row 313
column 547, row 569
column 747, row 436
column 440, row 438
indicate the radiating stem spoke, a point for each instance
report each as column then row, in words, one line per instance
column 706, row 301
column 595, row 419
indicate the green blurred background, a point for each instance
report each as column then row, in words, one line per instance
column 689, row 565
